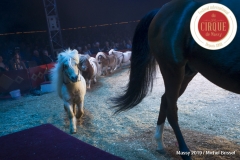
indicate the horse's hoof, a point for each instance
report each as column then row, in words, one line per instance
column 162, row 151
column 74, row 131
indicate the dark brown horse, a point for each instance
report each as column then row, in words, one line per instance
column 164, row 36
column 87, row 70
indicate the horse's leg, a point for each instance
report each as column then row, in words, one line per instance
column 173, row 78
column 80, row 109
column 111, row 70
column 106, row 71
column 89, row 83
column 74, row 109
column 95, row 79
column 160, row 125
column 163, row 114
column 117, row 65
column 71, row 116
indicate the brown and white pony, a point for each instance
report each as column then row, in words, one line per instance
column 70, row 85
column 106, row 62
column 89, row 68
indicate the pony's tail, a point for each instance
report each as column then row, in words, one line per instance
column 143, row 68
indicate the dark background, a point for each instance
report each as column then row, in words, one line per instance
column 29, row 15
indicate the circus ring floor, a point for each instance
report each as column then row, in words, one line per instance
column 208, row 116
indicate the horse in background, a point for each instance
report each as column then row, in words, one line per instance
column 123, row 58
column 97, row 69
column 164, row 36
column 106, row 62
column 70, row 85
column 89, row 67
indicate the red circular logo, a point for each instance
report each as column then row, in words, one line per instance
column 213, row 26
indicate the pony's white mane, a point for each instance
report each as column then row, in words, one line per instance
column 56, row 72
column 84, row 55
column 67, row 54
column 101, row 54
column 83, row 58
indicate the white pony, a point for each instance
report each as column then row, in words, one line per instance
column 70, row 85
column 122, row 57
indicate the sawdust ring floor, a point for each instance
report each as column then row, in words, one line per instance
column 208, row 116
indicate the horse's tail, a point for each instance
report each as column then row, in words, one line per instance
column 143, row 68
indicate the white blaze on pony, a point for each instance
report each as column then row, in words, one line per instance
column 70, row 85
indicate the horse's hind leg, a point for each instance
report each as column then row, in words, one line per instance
column 160, row 125
column 71, row 116
column 173, row 79
column 163, row 113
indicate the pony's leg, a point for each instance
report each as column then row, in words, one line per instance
column 106, row 71
column 160, row 125
column 163, row 114
column 173, row 79
column 88, row 83
column 120, row 65
column 111, row 70
column 116, row 67
column 80, row 110
column 71, row 116
column 74, row 109
column 95, row 79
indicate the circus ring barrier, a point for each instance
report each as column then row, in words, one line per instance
column 25, row 79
